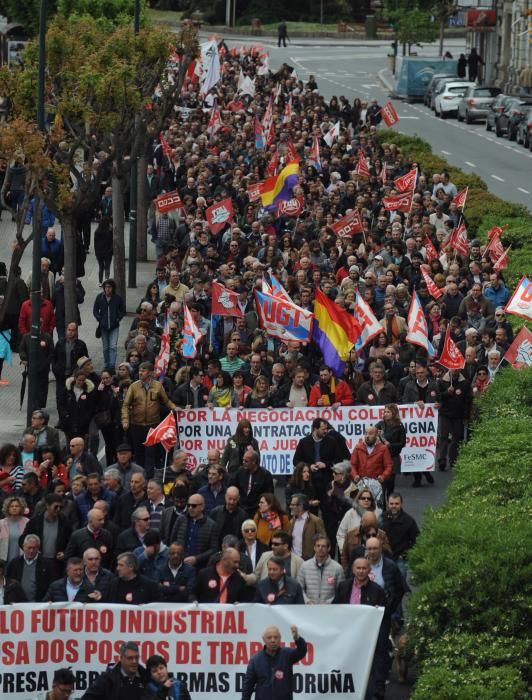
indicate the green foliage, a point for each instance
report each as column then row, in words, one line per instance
column 413, row 26
column 469, row 617
column 26, row 13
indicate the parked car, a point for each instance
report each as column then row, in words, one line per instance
column 524, row 130
column 446, row 101
column 475, row 103
column 440, row 84
column 496, row 107
column 507, row 120
column 428, row 92
column 515, row 113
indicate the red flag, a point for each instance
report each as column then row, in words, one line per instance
column 215, row 122
column 398, row 202
column 163, row 358
column 519, row 354
column 348, row 224
column 520, row 303
column 458, row 240
column 270, row 134
column 430, row 249
column 273, row 165
column 224, row 301
column 289, row 207
column 167, row 151
column 290, row 153
column 407, row 182
column 434, row 291
column 384, row 174
column 165, row 433
column 219, row 214
column 168, row 201
column 495, row 247
column 451, row 357
column 362, row 165
column 254, row 191
column 502, row 262
column 235, row 105
column 389, row 114
column 496, row 231
column 460, row 198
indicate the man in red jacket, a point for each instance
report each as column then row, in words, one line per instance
column 47, row 314
column 330, row 391
column 371, row 458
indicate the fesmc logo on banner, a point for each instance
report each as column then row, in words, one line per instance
column 209, row 646
column 278, row 431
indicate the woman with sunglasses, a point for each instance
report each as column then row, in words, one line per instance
column 363, row 501
column 358, row 536
column 249, row 544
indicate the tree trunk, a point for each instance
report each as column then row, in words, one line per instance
column 142, row 210
column 442, row 33
column 119, row 249
column 70, row 268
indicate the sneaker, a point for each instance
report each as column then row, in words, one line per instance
column 430, row 478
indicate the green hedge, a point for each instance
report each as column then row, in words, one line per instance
column 469, row 618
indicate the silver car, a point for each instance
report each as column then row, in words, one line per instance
column 476, row 102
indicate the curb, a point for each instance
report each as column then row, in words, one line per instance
column 384, row 80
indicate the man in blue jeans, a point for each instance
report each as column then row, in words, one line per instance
column 109, row 309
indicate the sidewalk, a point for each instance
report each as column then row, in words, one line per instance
column 12, row 418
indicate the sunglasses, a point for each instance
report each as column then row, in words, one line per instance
column 194, row 505
column 252, row 529
column 365, row 498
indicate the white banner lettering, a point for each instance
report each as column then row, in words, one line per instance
column 209, row 646
column 278, row 431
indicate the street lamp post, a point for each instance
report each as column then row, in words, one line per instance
column 132, row 269
column 35, row 331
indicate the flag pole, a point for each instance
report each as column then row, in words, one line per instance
column 211, row 347
column 165, row 464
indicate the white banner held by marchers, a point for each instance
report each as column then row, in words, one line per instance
column 207, row 645
column 278, row 430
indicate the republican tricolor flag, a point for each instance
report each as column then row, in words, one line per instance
column 418, row 332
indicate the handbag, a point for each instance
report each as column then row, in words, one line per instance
column 103, row 419
column 98, row 332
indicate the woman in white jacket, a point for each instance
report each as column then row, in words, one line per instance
column 363, row 501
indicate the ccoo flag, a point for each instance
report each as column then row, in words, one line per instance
column 519, row 354
column 165, row 434
column 520, row 303
column 451, row 357
column 418, row 332
column 335, row 332
column 224, row 301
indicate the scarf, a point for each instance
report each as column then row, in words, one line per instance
column 273, row 520
column 328, row 392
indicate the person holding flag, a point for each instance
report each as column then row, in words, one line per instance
column 454, row 413
column 141, row 410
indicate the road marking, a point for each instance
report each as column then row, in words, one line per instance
column 496, row 177
column 446, row 152
column 523, row 190
column 403, row 116
column 471, row 165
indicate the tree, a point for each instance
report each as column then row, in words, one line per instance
column 443, row 10
column 99, row 79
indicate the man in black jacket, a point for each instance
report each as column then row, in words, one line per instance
column 252, row 481
column 72, row 588
column 278, row 588
column 401, row 528
column 177, row 580
column 94, row 535
column 196, row 533
column 320, row 450
column 54, row 538
column 133, row 537
column 64, row 361
column 31, row 570
column 230, row 516
column 125, row 681
column 192, row 394
column 129, row 501
column 11, row 591
column 129, row 587
column 222, row 582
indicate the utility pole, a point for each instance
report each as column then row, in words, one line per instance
column 132, row 276
column 35, row 331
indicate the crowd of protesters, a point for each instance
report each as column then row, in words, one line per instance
column 125, row 529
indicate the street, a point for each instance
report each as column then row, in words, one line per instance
column 362, row 71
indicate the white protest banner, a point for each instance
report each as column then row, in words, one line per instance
column 207, row 645
column 278, row 430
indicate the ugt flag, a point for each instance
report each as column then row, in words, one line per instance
column 418, row 332
column 191, row 335
column 282, row 319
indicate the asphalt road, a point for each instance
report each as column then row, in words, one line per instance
column 359, row 69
